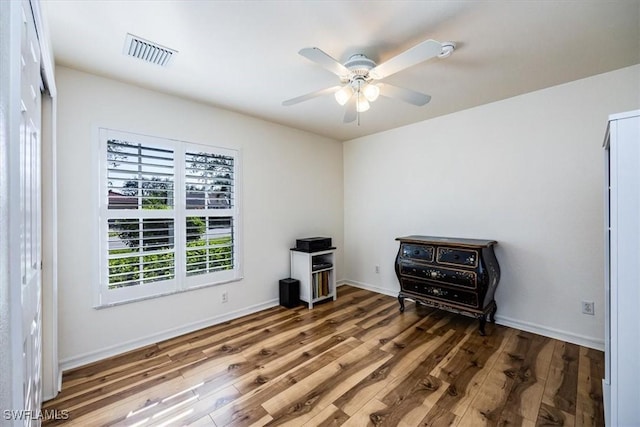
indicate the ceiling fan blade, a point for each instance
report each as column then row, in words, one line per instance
column 419, row 53
column 350, row 113
column 407, row 95
column 311, row 95
column 327, row 62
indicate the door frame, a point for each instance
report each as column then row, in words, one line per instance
column 51, row 375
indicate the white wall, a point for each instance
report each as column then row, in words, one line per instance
column 292, row 188
column 526, row 171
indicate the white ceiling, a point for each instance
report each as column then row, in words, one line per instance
column 242, row 55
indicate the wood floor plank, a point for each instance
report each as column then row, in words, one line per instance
column 386, row 310
column 395, row 340
column 302, row 326
column 527, row 389
column 500, row 398
column 222, row 376
column 589, row 404
column 229, row 328
column 411, row 407
column 551, row 416
column 197, row 409
column 203, row 422
column 111, row 374
column 404, row 386
column 439, row 416
column 562, row 385
column 328, row 417
column 241, row 411
column 304, row 400
column 118, row 410
column 466, row 371
column 364, row 418
column 300, row 353
column 355, row 361
column 389, row 327
column 406, row 350
column 406, row 395
column 180, row 399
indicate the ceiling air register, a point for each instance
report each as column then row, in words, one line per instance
column 147, row 51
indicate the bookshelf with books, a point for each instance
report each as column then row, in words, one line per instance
column 315, row 271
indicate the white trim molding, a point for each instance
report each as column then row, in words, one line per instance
column 368, row 287
column 558, row 334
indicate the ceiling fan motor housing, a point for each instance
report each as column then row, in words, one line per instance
column 359, row 64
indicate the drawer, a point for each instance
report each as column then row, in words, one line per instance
column 417, row 252
column 455, row 256
column 468, row 279
column 435, row 292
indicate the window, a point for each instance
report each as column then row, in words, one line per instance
column 168, row 216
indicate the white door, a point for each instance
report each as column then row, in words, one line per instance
column 30, row 211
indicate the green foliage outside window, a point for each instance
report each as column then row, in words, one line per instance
column 218, row 255
column 209, row 255
column 153, row 267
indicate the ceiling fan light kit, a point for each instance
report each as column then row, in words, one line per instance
column 371, row 92
column 344, row 94
column 362, row 104
column 359, row 76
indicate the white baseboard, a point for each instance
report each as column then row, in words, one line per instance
column 94, row 356
column 558, row 334
column 585, row 341
column 368, row 287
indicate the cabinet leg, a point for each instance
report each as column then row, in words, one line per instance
column 483, row 321
column 492, row 314
column 401, row 301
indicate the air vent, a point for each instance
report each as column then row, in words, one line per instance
column 148, row 51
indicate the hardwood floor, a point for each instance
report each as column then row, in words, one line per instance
column 356, row 361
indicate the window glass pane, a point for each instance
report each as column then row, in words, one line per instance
column 209, row 244
column 209, row 181
column 140, row 251
column 139, row 176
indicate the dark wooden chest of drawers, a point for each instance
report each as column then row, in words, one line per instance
column 458, row 275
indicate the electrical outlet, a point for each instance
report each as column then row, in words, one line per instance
column 225, row 296
column 588, row 307
column 377, row 269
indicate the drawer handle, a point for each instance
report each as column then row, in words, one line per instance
column 434, row 274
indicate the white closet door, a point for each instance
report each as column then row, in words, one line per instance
column 30, row 212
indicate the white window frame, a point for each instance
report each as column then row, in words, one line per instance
column 104, row 296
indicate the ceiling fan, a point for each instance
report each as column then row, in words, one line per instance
column 360, row 77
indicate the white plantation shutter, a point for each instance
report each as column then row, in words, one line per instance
column 209, row 182
column 139, row 176
column 168, row 217
column 149, row 255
